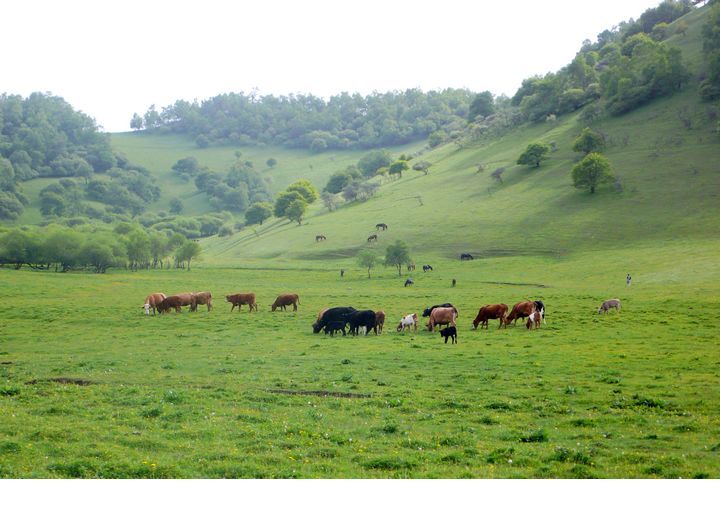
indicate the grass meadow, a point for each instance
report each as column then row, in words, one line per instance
column 91, row 388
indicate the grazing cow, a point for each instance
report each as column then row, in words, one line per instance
column 409, row 281
column 534, row 319
column 186, row 299
column 427, row 311
column 242, row 299
column 466, row 257
column 408, row 321
column 284, row 300
column 360, row 318
column 372, row 237
column 201, row 298
column 320, row 237
column 381, row 226
column 607, row 305
column 411, row 266
column 336, row 314
column 488, row 312
column 175, row 302
column 426, row 268
column 540, row 307
column 152, row 300
column 380, row 321
column 321, row 313
column 335, row 326
column 449, row 332
column 521, row 310
column 454, row 282
column 442, row 315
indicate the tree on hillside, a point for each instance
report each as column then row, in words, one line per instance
column 306, row 190
column 136, row 123
column 367, row 259
column 258, row 213
column 296, row 210
column 710, row 87
column 482, row 105
column 374, row 160
column 271, row 162
column 397, row 255
column 337, row 182
column 589, row 141
column 533, row 154
column 283, row 201
column 592, row 171
column 423, row 166
column 397, row 167
column 189, row 165
column 176, row 206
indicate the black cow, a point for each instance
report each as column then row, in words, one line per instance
column 335, row 326
column 427, row 311
column 426, row 268
column 337, row 314
column 409, row 281
column 449, row 332
column 540, row 307
column 466, row 257
column 364, row 318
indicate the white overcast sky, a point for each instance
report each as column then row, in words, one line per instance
column 111, row 58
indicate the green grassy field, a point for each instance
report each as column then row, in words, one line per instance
column 191, row 395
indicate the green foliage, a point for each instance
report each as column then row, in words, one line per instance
column 534, row 154
column 187, row 252
column 258, row 213
column 271, row 162
column 283, row 201
column 710, row 87
column 397, row 254
column 374, row 160
column 176, row 206
column 397, row 167
column 482, row 105
column 592, row 171
column 189, row 165
column 296, row 210
column 367, row 259
column 423, row 166
column 136, row 123
column 337, row 182
column 344, row 121
column 435, row 139
column 589, row 141
column 308, row 192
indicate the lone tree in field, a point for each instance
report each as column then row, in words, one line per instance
column 589, row 141
column 186, row 252
column 397, row 167
column 592, row 171
column 258, row 213
column 398, row 255
column 423, row 166
column 533, row 154
column 367, row 259
column 271, row 162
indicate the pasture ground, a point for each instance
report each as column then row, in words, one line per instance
column 629, row 395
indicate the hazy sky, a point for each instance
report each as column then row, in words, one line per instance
column 111, row 58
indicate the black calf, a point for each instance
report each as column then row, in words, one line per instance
column 335, row 326
column 337, row 314
column 449, row 332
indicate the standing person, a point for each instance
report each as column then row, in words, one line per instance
column 628, row 280
column 454, row 281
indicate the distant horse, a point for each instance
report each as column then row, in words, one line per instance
column 372, row 237
column 381, row 226
column 320, row 237
column 411, row 266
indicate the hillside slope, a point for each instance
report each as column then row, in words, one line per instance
column 666, row 155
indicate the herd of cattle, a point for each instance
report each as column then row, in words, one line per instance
column 338, row 319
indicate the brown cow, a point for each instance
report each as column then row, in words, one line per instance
column 442, row 315
column 488, row 312
column 175, row 302
column 521, row 310
column 286, row 299
column 379, row 321
column 201, row 298
column 152, row 300
column 241, row 299
column 186, row 299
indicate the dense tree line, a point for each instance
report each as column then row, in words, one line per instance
column 710, row 86
column 126, row 246
column 305, row 121
column 235, row 191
